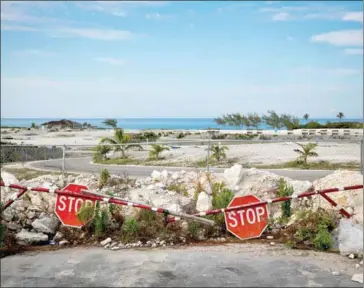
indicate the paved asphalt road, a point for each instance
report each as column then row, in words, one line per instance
column 220, row 267
column 84, row 165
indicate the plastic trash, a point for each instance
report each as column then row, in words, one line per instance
column 350, row 238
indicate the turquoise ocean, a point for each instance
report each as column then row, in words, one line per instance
column 152, row 123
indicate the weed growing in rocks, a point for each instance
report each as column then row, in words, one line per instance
column 221, row 197
column 179, row 188
column 130, row 230
column 147, row 225
column 194, row 229
column 312, row 229
column 104, row 177
column 98, row 218
column 283, row 191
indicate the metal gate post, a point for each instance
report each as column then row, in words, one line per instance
column 63, row 159
column 362, row 156
column 208, row 156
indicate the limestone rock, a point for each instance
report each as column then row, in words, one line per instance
column 46, row 225
column 204, row 202
column 25, row 237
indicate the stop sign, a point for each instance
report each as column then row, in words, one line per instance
column 247, row 223
column 68, row 206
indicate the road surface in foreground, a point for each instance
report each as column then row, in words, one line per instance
column 209, row 266
column 84, row 164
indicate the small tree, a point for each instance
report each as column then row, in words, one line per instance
column 340, row 115
column 254, row 120
column 308, row 150
column 120, row 141
column 102, row 150
column 157, row 150
column 111, row 122
column 218, row 152
column 273, row 120
column 245, row 121
column 306, row 116
column 220, row 121
column 290, row 122
column 33, row 126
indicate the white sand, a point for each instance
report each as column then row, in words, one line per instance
column 265, row 153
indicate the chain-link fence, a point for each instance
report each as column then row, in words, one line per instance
column 25, row 153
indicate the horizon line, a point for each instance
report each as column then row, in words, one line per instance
column 126, row 118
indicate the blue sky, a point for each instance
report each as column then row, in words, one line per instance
column 180, row 59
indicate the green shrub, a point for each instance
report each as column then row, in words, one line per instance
column 96, row 218
column 104, row 177
column 97, row 157
column 146, row 225
column 313, row 125
column 130, row 230
column 285, row 190
column 312, row 229
column 180, row 135
column 244, row 136
column 323, row 240
column 193, row 230
column 219, row 137
column 221, row 197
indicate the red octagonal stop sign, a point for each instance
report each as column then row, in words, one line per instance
column 68, row 206
column 247, row 223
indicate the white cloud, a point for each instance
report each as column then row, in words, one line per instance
column 109, row 7
column 283, row 16
column 97, row 34
column 18, row 28
column 311, row 11
column 156, row 16
column 329, row 71
column 353, row 16
column 290, row 38
column 111, row 61
column 34, row 52
column 353, row 51
column 340, row 38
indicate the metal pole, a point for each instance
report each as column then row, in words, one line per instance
column 208, row 156
column 63, row 159
column 362, row 156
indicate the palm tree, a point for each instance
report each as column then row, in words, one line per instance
column 308, row 150
column 156, row 150
column 340, row 115
column 306, row 116
column 218, row 151
column 120, row 141
column 103, row 150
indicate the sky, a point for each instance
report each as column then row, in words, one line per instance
column 140, row 59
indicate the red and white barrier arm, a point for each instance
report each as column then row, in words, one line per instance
column 281, row 199
column 98, row 197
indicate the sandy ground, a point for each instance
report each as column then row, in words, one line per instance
column 266, row 153
column 244, row 153
column 92, row 137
